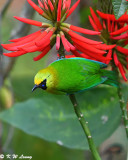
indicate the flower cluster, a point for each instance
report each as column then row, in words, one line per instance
column 57, row 32
column 113, row 31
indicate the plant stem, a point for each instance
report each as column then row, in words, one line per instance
column 121, row 99
column 84, row 125
column 61, row 51
column 80, row 116
column 122, row 105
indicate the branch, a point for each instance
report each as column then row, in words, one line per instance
column 5, row 8
column 84, row 125
column 122, row 105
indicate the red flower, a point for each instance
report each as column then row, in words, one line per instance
column 113, row 31
column 59, row 32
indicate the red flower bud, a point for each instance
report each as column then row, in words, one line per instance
column 122, row 71
column 29, row 21
column 88, row 47
column 15, row 54
column 45, row 51
column 20, row 39
column 59, row 10
column 123, row 36
column 46, row 38
column 81, row 38
column 40, row 3
column 84, row 31
column 93, row 24
column 116, row 59
column 96, row 19
column 72, row 8
column 40, row 11
column 122, row 50
column 22, row 42
column 57, row 42
column 124, row 29
column 64, row 41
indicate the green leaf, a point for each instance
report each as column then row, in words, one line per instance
column 52, row 117
column 120, row 7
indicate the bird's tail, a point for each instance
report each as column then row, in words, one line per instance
column 112, row 78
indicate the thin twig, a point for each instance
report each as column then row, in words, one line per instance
column 85, row 127
column 5, row 8
column 121, row 99
column 8, row 139
column 122, row 105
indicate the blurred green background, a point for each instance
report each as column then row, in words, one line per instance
column 21, row 81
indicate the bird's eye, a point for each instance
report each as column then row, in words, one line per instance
column 43, row 85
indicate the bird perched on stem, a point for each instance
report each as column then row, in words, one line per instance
column 68, row 76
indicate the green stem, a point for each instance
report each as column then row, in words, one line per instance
column 80, row 116
column 121, row 100
column 122, row 105
column 85, row 127
column 61, row 51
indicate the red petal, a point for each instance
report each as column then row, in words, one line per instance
column 71, row 46
column 96, row 19
column 127, row 62
column 45, row 51
column 32, row 43
column 19, row 39
column 14, row 54
column 104, row 46
column 39, row 10
column 84, row 31
column 88, row 47
column 46, row 38
column 45, row 5
column 91, row 54
column 122, row 50
column 64, row 41
column 66, row 4
column 29, row 21
column 81, row 38
column 116, row 59
column 41, row 4
column 23, row 42
column 109, row 55
column 72, row 8
column 51, row 5
column 105, row 16
column 35, row 48
column 104, row 25
column 109, row 25
column 116, row 27
column 126, row 42
column 122, row 71
column 70, row 56
column 123, row 18
column 59, row 10
column 57, row 42
column 119, row 31
column 93, row 24
column 123, row 36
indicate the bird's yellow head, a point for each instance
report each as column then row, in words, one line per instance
column 46, row 79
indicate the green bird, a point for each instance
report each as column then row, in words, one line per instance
column 69, row 76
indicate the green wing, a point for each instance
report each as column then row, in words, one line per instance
column 77, row 74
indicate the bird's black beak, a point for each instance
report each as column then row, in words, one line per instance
column 35, row 87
